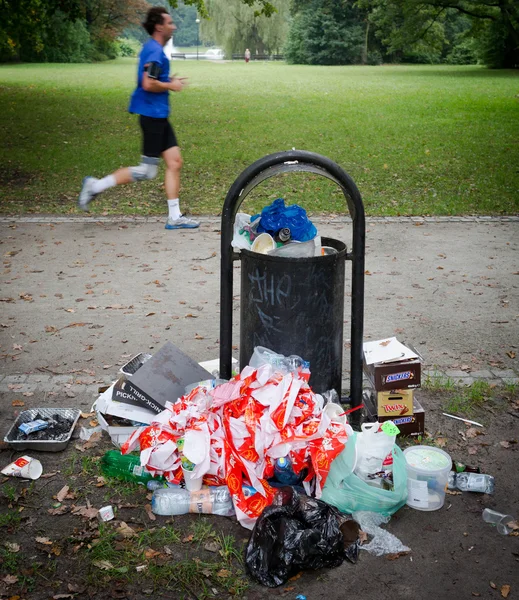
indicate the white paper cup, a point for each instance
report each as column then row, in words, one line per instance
column 192, row 484
column 26, row 467
column 106, row 513
column 263, row 243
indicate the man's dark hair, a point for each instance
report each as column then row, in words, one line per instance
column 154, row 17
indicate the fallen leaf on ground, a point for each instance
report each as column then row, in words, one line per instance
column 87, row 415
column 84, row 511
column 125, row 530
column 17, row 403
column 472, row 432
column 295, row 577
column 62, row 494
column 10, row 579
column 188, row 538
column 60, row 510
column 226, row 573
column 396, row 555
column 514, row 525
column 505, row 444
column 151, row 516
column 103, row 564
column 43, row 540
column 453, row 493
column 150, row 553
column 12, row 547
column 492, row 585
column 505, row 590
column 441, row 442
column 511, row 354
column 212, row 546
column 62, row 596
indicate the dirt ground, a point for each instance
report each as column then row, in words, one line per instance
column 52, row 549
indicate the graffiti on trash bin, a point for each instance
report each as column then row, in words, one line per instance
column 266, row 290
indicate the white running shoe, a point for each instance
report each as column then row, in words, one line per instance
column 86, row 195
column 181, row 223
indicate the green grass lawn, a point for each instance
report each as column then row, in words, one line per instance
column 416, row 139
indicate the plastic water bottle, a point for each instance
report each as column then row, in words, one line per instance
column 175, row 500
column 284, row 472
column 471, row 482
column 125, row 466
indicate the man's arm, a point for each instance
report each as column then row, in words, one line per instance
column 151, row 84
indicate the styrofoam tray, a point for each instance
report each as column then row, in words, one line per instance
column 42, row 445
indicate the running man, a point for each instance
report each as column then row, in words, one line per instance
column 150, row 101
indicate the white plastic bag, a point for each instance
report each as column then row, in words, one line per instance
column 373, row 446
column 242, row 226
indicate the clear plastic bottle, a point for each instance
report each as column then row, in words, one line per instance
column 178, row 501
column 125, row 466
column 471, row 482
column 175, row 500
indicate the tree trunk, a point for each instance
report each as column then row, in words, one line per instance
column 364, row 57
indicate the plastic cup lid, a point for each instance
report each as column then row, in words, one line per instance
column 427, row 458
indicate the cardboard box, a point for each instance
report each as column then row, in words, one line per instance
column 120, row 393
column 397, row 403
column 106, row 405
column 385, row 377
column 411, row 425
column 391, row 365
column 164, row 377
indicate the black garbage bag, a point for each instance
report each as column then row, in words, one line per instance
column 294, row 533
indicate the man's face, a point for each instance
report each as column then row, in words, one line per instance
column 167, row 27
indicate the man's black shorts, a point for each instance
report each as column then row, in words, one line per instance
column 157, row 136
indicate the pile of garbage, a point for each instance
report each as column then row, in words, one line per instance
column 266, row 448
column 234, row 433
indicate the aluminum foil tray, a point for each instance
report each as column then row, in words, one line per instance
column 54, row 445
column 131, row 367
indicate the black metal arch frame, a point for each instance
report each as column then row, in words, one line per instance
column 262, row 169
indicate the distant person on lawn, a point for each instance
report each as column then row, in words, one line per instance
column 247, row 55
column 150, row 100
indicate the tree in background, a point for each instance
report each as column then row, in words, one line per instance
column 235, row 26
column 78, row 30
column 326, row 32
column 489, row 28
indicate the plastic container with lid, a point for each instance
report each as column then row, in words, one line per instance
column 427, row 475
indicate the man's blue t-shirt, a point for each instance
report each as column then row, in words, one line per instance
column 151, row 104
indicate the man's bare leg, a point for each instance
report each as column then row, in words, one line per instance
column 92, row 186
column 173, row 159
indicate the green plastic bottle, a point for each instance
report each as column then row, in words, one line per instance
column 126, row 467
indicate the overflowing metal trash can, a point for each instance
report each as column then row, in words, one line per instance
column 295, row 305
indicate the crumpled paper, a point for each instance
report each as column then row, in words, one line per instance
column 235, row 432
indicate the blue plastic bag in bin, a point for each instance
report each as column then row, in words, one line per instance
column 277, row 216
column 349, row 493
